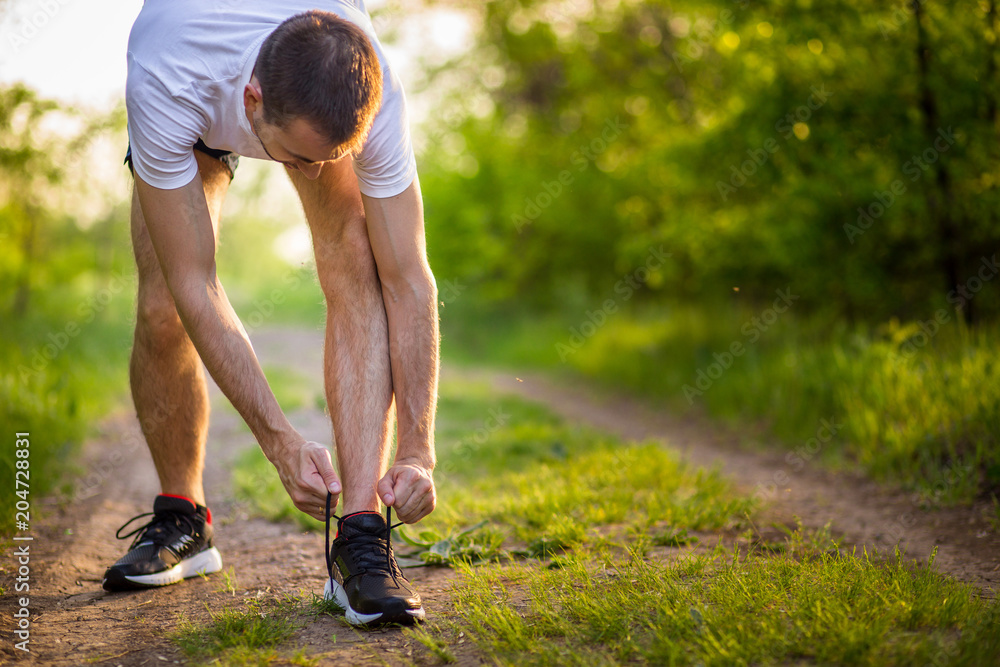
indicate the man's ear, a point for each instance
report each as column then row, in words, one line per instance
column 252, row 97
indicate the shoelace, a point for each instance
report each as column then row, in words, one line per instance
column 369, row 563
column 154, row 528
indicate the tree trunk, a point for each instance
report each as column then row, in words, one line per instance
column 940, row 199
column 991, row 65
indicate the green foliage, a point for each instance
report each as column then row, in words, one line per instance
column 674, row 538
column 742, row 138
column 470, row 545
column 555, row 506
column 65, row 292
column 922, row 410
column 44, row 245
column 915, row 403
column 58, row 403
column 289, row 387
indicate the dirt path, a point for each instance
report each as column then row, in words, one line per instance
column 77, row 623
column 862, row 512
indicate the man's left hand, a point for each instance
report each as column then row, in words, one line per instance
column 408, row 487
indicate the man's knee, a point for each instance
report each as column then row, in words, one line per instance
column 355, row 243
column 345, row 259
column 157, row 319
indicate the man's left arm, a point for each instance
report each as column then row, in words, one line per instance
column 396, row 233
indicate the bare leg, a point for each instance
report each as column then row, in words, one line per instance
column 356, row 367
column 168, row 382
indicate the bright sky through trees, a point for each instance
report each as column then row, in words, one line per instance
column 74, row 51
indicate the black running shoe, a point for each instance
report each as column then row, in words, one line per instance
column 364, row 577
column 174, row 545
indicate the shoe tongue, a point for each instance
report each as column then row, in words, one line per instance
column 174, row 504
column 362, row 523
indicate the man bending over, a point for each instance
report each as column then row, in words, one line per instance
column 209, row 81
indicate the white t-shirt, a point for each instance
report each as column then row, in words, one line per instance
column 188, row 63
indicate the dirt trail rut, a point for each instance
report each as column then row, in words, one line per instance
column 862, row 512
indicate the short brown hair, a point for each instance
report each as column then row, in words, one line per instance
column 321, row 68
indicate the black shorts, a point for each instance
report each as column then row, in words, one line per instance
column 231, row 160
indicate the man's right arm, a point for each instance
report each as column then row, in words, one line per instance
column 182, row 235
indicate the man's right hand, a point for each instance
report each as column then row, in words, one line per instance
column 306, row 471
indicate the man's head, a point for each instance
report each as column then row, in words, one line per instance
column 316, row 87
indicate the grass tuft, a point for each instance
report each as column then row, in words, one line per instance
column 438, row 648
column 322, row 606
column 228, row 583
column 237, row 636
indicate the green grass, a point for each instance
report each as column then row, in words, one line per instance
column 533, row 484
column 56, row 385
column 228, row 582
column 238, row 636
column 557, row 505
column 576, row 548
column 258, row 632
column 918, row 410
column 536, row 478
column 728, row 607
column 291, row 389
column 257, row 486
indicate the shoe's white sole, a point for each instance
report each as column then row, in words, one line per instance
column 206, row 562
column 334, row 591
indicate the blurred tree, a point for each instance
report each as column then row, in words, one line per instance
column 43, row 244
column 846, row 149
column 24, row 166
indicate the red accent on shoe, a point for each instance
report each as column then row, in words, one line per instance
column 171, row 495
column 343, row 518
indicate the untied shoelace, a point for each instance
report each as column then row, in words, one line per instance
column 150, row 526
